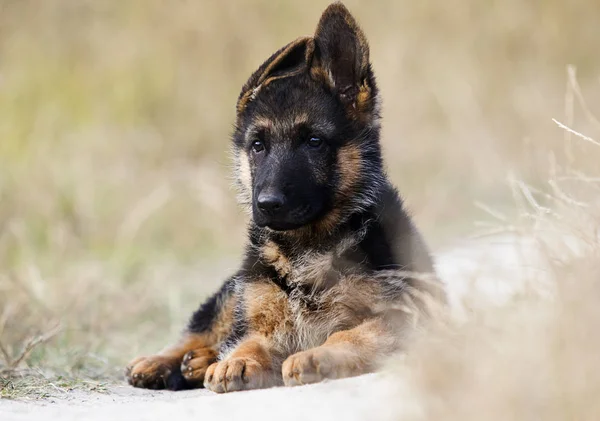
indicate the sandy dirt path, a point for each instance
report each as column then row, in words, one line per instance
column 358, row 398
column 375, row 396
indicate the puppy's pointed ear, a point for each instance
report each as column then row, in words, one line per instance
column 288, row 61
column 342, row 57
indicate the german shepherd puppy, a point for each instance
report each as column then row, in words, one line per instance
column 322, row 290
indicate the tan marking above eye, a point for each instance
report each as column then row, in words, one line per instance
column 259, row 124
column 300, row 119
column 263, row 123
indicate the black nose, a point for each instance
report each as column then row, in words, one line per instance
column 270, row 202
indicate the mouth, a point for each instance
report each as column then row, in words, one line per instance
column 295, row 219
column 281, row 226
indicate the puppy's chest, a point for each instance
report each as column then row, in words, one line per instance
column 321, row 295
column 307, row 320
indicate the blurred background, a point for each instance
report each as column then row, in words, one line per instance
column 117, row 215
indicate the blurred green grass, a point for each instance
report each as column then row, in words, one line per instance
column 116, row 212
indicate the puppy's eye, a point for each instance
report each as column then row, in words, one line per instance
column 258, row 146
column 314, row 142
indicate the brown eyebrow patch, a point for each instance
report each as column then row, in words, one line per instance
column 301, row 119
column 260, row 124
column 263, row 123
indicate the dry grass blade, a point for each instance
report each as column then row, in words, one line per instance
column 560, row 194
column 492, row 212
column 13, row 362
column 576, row 133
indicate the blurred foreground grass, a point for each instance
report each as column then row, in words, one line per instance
column 535, row 356
column 116, row 216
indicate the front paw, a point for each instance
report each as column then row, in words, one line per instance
column 237, row 374
column 155, row 372
column 195, row 363
column 310, row 366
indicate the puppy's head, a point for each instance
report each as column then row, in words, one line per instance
column 306, row 139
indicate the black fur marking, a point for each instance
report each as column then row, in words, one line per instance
column 176, row 381
column 375, row 244
column 203, row 318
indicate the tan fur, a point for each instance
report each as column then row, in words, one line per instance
column 272, row 255
column 349, row 162
column 329, row 222
column 267, row 309
column 363, row 100
column 255, row 348
column 259, row 123
column 248, row 367
column 364, row 105
column 319, row 73
column 301, row 118
column 345, row 353
column 262, row 123
column 244, row 174
column 195, row 363
column 243, row 101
